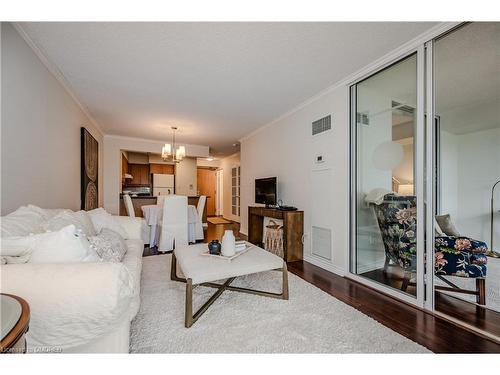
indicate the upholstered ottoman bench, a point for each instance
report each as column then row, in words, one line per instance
column 203, row 270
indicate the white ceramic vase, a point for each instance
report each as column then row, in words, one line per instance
column 228, row 244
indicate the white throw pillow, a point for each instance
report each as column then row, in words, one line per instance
column 21, row 222
column 102, row 219
column 109, row 245
column 81, row 220
column 16, row 249
column 63, row 246
column 48, row 213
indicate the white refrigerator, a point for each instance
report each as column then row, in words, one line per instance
column 163, row 184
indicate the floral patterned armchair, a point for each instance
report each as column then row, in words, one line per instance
column 454, row 256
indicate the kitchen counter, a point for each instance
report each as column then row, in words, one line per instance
column 137, row 202
column 145, row 200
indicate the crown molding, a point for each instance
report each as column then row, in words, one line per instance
column 54, row 70
column 386, row 59
column 135, row 139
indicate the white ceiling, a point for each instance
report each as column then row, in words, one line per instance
column 216, row 81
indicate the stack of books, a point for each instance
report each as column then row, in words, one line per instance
column 240, row 246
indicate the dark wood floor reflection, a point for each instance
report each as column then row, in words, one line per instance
column 435, row 333
column 484, row 319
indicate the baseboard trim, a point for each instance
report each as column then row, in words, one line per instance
column 325, row 265
column 378, row 264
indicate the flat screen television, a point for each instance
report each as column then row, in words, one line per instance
column 266, row 191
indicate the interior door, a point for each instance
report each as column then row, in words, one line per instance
column 206, row 186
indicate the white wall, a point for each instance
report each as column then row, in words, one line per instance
column 226, row 165
column 202, row 162
column 112, row 163
column 470, row 166
column 449, row 173
column 287, row 149
column 40, row 132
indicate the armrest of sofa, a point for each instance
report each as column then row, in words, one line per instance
column 135, row 227
column 70, row 303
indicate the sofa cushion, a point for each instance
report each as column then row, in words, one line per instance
column 108, row 245
column 133, row 262
column 102, row 219
column 80, row 219
column 70, row 304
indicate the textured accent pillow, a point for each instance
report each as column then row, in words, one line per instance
column 81, row 221
column 437, row 229
column 446, row 225
column 102, row 219
column 108, row 245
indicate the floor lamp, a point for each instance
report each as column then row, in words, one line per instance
column 492, row 252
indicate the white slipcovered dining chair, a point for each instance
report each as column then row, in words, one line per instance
column 198, row 226
column 201, row 207
column 174, row 226
column 160, row 199
column 128, row 205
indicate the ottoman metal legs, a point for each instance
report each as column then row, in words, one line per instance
column 190, row 318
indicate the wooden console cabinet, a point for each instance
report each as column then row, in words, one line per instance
column 293, row 229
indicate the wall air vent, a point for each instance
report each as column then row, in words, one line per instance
column 403, row 108
column 322, row 125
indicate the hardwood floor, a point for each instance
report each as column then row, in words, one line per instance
column 433, row 332
column 484, row 319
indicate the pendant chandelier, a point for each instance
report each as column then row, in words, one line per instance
column 170, row 152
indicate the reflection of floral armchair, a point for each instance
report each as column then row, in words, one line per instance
column 454, row 256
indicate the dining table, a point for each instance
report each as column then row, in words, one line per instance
column 153, row 215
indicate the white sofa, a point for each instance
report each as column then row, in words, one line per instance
column 81, row 307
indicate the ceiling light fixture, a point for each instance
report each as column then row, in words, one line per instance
column 171, row 153
column 210, row 158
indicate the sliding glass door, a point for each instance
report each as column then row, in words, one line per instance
column 384, row 204
column 467, row 245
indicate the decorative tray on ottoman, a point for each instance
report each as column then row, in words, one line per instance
column 248, row 246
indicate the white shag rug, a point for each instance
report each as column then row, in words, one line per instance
column 311, row 321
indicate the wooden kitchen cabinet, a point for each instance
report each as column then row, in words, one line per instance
column 140, row 174
column 161, row 168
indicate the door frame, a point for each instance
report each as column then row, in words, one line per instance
column 219, row 192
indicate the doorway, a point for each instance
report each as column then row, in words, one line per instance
column 206, row 180
column 219, row 193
